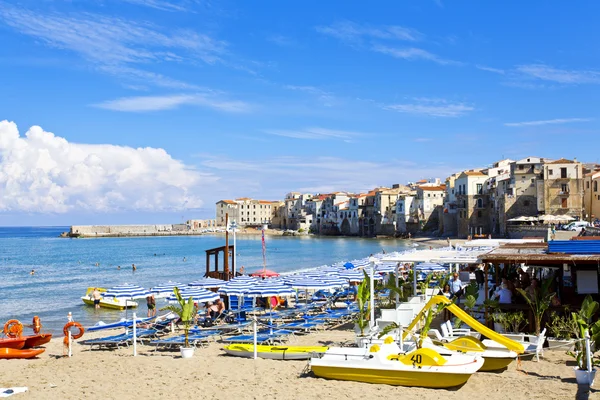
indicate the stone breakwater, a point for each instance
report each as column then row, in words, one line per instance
column 131, row 230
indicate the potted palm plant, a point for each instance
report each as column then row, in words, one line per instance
column 185, row 310
column 363, row 295
column 583, row 374
column 564, row 330
column 539, row 302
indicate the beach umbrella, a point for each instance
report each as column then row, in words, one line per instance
column 238, row 287
column 164, row 289
column 265, row 273
column 349, row 265
column 430, row 267
column 338, row 282
column 127, row 291
column 208, row 283
column 198, row 295
column 270, row 289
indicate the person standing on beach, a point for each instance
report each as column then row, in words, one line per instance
column 96, row 297
column 151, row 302
column 456, row 287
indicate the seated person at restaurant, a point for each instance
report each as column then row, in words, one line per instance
column 532, row 290
column 503, row 295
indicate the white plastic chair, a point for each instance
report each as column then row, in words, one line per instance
column 460, row 331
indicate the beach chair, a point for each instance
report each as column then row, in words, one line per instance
column 536, row 344
column 457, row 332
column 301, row 326
column 177, row 341
column 261, row 337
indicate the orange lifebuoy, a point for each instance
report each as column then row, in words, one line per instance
column 13, row 328
column 75, row 324
column 37, row 325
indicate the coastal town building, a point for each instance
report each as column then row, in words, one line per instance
column 472, row 204
column 563, row 188
column 591, row 195
column 245, row 211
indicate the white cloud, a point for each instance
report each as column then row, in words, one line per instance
column 163, row 4
column 157, row 103
column 412, row 53
column 114, row 44
column 548, row 122
column 273, row 177
column 432, row 107
column 326, row 98
column 349, row 31
column 490, row 69
column 45, row 173
column 548, row 73
column 422, row 140
column 314, row 133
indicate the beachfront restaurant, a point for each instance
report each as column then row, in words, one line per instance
column 573, row 265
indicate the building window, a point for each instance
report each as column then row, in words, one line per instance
column 532, row 180
column 595, row 186
column 587, row 185
column 564, row 188
column 479, row 203
column 564, row 203
column 479, row 188
column 521, row 166
column 563, row 173
column 428, row 195
column 549, row 172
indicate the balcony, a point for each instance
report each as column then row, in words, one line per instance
column 563, row 193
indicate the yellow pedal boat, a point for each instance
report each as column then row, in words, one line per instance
column 386, row 364
column 109, row 302
column 274, row 352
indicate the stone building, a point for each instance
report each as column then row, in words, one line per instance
column 245, row 211
column 472, row 204
column 563, row 188
column 591, row 196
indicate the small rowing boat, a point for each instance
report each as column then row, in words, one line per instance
column 274, row 352
column 36, row 340
column 12, row 343
column 7, row 353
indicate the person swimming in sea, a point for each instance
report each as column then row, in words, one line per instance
column 32, row 272
column 133, row 267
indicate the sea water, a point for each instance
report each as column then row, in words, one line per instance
column 65, row 268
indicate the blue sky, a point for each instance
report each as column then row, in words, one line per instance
column 159, row 108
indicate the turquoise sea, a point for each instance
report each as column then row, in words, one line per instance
column 65, row 268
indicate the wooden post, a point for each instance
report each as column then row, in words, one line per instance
column 207, row 263
column 485, row 288
column 226, row 265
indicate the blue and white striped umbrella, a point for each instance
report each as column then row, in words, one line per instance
column 127, row 291
column 357, row 276
column 164, row 289
column 338, row 282
column 208, row 283
column 244, row 278
column 236, row 288
column 270, row 289
column 197, row 294
column 385, row 268
column 309, row 284
column 430, row 267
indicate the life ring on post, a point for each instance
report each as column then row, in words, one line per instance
column 13, row 328
column 37, row 325
column 66, row 329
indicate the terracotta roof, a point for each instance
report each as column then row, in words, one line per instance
column 244, row 198
column 474, row 173
column 227, row 201
column 440, row 187
column 422, row 181
column 562, row 161
column 266, row 201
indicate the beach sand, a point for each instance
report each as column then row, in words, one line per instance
column 212, row 375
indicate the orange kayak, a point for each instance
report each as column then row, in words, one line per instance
column 6, row 353
column 36, row 340
column 12, row 343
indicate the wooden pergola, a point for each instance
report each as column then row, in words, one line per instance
column 537, row 255
column 226, row 274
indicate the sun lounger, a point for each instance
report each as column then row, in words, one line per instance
column 260, row 338
column 124, row 339
column 193, row 339
column 300, row 326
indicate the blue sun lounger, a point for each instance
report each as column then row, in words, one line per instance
column 124, row 339
column 194, row 340
column 277, row 335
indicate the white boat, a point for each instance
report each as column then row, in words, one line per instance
column 387, row 364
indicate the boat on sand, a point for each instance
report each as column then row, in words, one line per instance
column 274, row 352
column 7, row 353
column 36, row 340
column 387, row 364
column 12, row 343
column 108, row 302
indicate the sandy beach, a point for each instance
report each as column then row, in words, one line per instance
column 210, row 374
